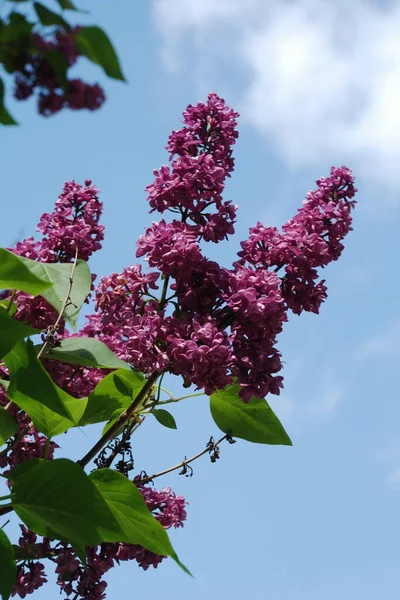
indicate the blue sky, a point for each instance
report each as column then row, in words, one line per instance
column 317, row 83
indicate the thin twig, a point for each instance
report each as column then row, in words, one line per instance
column 53, row 328
column 122, row 419
column 11, row 300
column 183, row 463
column 5, row 509
column 127, row 434
column 171, row 400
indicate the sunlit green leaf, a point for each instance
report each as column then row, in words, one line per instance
column 116, row 391
column 87, row 352
column 8, row 426
column 86, row 510
column 59, row 275
column 254, row 421
column 52, row 410
column 17, row 273
column 165, row 418
column 12, row 331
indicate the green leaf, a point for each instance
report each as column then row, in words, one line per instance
column 48, row 17
column 52, row 410
column 115, row 391
column 10, row 308
column 66, row 5
column 8, row 568
column 94, row 43
column 12, row 332
column 59, row 64
column 57, row 495
column 16, row 273
column 254, row 422
column 59, row 275
column 114, row 417
column 87, row 352
column 165, row 418
column 86, row 510
column 7, row 426
column 5, row 117
column 129, row 508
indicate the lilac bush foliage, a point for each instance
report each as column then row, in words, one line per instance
column 36, row 73
column 179, row 312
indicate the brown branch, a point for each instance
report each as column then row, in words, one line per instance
column 122, row 419
column 5, row 509
column 185, row 462
column 127, row 434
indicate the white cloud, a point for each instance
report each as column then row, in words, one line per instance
column 389, row 455
column 385, row 346
column 282, row 406
column 327, row 402
column 393, row 478
column 320, row 79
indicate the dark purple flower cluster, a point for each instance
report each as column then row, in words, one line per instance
column 186, row 315
column 37, row 73
column 87, row 583
column 72, row 227
column 193, row 185
column 189, row 315
column 312, row 239
column 212, row 325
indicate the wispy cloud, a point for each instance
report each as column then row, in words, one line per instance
column 320, row 79
column 283, row 406
column 384, row 346
column 326, row 400
column 389, row 455
column 393, row 478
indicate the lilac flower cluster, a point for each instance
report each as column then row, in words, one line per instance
column 312, row 239
column 37, row 74
column 213, row 324
column 189, row 315
column 193, row 185
column 72, row 226
column 87, row 583
column 185, row 314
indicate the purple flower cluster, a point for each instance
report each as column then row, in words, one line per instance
column 189, row 315
column 186, row 314
column 312, row 239
column 87, row 583
column 212, row 325
column 37, row 74
column 30, row 577
column 193, row 185
column 73, row 225
column 257, row 314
